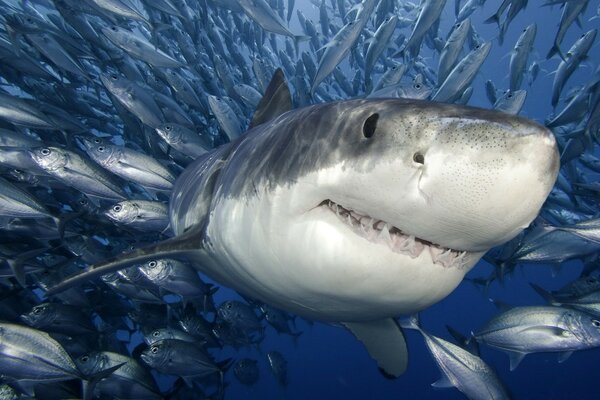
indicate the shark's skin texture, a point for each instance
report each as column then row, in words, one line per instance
column 484, row 178
column 357, row 211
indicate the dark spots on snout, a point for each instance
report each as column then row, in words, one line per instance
column 370, row 125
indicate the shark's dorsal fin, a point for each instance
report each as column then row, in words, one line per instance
column 385, row 342
column 180, row 246
column 276, row 101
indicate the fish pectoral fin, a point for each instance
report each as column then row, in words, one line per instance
column 443, row 383
column 564, row 356
column 546, row 330
column 385, row 343
column 515, row 359
column 179, row 246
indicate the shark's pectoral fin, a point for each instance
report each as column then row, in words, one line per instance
column 385, row 342
column 180, row 246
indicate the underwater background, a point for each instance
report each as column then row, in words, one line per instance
column 325, row 361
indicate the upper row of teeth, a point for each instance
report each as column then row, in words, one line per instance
column 377, row 230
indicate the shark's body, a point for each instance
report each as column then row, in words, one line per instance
column 358, row 211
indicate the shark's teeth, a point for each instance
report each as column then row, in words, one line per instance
column 381, row 232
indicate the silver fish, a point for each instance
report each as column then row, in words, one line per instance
column 524, row 330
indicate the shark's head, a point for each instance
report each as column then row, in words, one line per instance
column 371, row 208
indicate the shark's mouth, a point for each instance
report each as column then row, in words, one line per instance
column 378, row 231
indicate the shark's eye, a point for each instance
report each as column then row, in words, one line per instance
column 370, row 125
column 419, row 158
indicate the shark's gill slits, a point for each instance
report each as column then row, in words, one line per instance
column 379, row 231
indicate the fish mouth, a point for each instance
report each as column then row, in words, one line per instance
column 378, row 231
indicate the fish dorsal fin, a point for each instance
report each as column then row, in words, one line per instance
column 385, row 342
column 180, row 246
column 276, row 101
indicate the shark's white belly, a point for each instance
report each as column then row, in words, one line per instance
column 316, row 267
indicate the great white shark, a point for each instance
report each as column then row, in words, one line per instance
column 356, row 211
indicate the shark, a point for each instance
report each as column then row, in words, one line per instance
column 357, row 211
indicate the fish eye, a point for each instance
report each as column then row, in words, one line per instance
column 152, row 264
column 476, row 47
column 156, row 334
column 114, row 77
column 45, row 152
column 168, row 127
column 117, row 208
column 370, row 125
column 591, row 280
column 101, row 148
column 418, row 86
column 154, row 349
column 85, row 359
column 37, row 310
column 114, row 28
column 419, row 158
column 83, row 202
column 596, row 323
column 228, row 306
column 509, row 96
column 97, row 141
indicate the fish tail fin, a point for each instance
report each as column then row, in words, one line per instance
column 179, row 246
column 554, row 51
column 62, row 220
column 89, row 382
column 493, row 19
column 297, row 40
column 17, row 265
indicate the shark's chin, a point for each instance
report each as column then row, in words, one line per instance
column 396, row 239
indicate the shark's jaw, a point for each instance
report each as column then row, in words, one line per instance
column 323, row 260
column 398, row 241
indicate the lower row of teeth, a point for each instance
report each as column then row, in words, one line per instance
column 379, row 231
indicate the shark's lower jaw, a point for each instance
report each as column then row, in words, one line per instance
column 378, row 231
